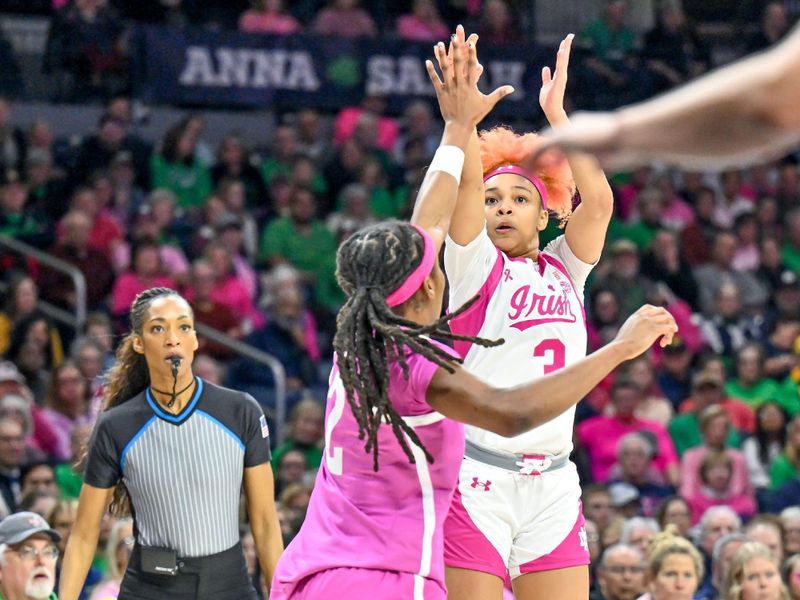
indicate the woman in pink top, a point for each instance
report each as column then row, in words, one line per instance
column 268, row 16
column 374, row 522
column 422, row 24
column 146, row 273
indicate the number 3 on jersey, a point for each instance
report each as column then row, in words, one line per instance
column 554, row 353
column 333, row 454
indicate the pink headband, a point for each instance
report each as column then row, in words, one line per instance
column 413, row 282
column 517, row 170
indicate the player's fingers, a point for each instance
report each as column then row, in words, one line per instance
column 444, row 64
column 434, row 76
column 562, row 58
column 546, row 75
column 499, row 93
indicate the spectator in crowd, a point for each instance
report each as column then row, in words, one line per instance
column 88, row 357
column 117, row 554
column 73, row 247
column 285, row 336
column 268, row 16
column 792, row 576
column 674, row 568
column 716, row 522
column 654, row 406
column 673, row 52
column 38, row 476
column 750, row 384
column 291, row 469
column 28, row 556
column 748, row 255
column 99, row 330
column 638, row 532
column 790, row 519
column 97, row 151
column 697, row 239
column 238, row 230
column 36, row 330
column 208, row 369
column 146, row 272
column 714, row 276
column 596, row 501
column 303, row 241
column 67, row 406
column 606, row 317
column 634, row 466
column 311, row 135
column 724, row 549
column 774, row 25
column 675, row 511
column 663, row 263
column 785, row 467
column 674, row 373
column 22, row 297
column 12, row 454
column 305, row 433
column 610, row 63
column 650, row 205
column 731, row 201
column 716, row 474
column 69, row 474
column 417, row 125
column 128, row 197
column 620, row 574
column 368, row 124
column 600, row 435
column 354, row 214
column 790, row 252
column 85, row 47
column 765, row 445
column 715, row 428
column 175, row 167
column 779, row 348
column 233, row 163
column 62, row 518
column 423, row 23
column 344, row 18
column 46, row 185
column 12, row 139
column 209, row 312
column 729, row 327
column 626, row 504
column 624, row 279
column 106, row 233
column 38, row 437
column 283, row 150
column 230, row 288
column 497, row 24
column 754, row 574
column 768, row 530
column 20, row 218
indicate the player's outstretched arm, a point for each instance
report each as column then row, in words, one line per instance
column 736, row 116
column 512, row 411
column 586, row 229
column 462, row 106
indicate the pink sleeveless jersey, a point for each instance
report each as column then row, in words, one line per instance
column 390, row 520
column 537, row 308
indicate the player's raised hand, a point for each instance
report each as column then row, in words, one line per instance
column 457, row 91
column 554, row 85
column 644, row 327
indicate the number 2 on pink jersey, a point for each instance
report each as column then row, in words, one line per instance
column 333, row 454
column 554, row 350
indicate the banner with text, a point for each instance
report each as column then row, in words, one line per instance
column 233, row 69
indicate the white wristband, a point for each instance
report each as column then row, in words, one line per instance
column 449, row 159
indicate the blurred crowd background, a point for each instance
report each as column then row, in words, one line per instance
column 242, row 211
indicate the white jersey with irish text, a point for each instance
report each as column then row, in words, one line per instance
column 537, row 308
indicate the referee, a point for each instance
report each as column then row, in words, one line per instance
column 173, row 451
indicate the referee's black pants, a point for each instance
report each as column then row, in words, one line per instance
column 220, row 576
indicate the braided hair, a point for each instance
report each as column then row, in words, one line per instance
column 129, row 377
column 371, row 264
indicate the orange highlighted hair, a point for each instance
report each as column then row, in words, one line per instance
column 502, row 146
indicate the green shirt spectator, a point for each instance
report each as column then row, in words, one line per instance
column 190, row 182
column 782, row 471
column 69, row 481
column 754, row 394
column 789, row 396
column 791, row 257
column 685, row 433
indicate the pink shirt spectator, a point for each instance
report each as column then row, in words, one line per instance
column 391, row 520
column 746, row 258
column 255, row 21
column 743, row 504
column 600, row 435
column 351, row 23
column 409, row 27
column 129, row 284
column 173, row 260
column 247, row 275
column 692, row 485
column 233, row 293
column 61, row 426
column 347, row 120
column 676, row 214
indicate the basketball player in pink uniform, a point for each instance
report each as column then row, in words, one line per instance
column 393, row 437
column 517, row 507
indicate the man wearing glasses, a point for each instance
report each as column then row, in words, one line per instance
column 28, row 556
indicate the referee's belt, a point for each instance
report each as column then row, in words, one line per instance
column 524, row 464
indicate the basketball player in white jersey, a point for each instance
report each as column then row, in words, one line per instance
column 517, row 507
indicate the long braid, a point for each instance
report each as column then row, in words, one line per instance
column 370, row 337
column 128, row 378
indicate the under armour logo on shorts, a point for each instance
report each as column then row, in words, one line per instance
column 485, row 484
column 584, row 541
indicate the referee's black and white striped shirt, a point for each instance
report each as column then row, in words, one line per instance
column 183, row 472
